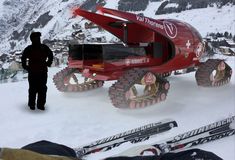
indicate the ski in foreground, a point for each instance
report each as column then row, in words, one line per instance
column 208, row 133
column 136, row 135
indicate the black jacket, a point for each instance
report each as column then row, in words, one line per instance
column 36, row 58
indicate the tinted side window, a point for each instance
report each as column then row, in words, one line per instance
column 75, row 52
column 115, row 52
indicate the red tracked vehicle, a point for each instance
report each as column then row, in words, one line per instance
column 151, row 50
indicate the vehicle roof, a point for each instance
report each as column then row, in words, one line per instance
column 142, row 29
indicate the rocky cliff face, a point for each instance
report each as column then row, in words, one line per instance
column 170, row 6
column 19, row 18
column 176, row 6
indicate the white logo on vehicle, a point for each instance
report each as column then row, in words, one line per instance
column 170, row 29
column 149, row 22
column 188, row 44
column 136, row 61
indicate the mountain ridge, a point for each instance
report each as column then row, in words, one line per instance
column 54, row 18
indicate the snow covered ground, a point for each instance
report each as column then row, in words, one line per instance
column 75, row 119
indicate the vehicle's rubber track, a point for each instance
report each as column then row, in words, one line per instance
column 118, row 90
column 204, row 74
column 62, row 81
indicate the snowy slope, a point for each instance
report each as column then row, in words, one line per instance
column 17, row 14
column 75, row 119
column 208, row 20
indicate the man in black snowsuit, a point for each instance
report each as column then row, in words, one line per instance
column 35, row 59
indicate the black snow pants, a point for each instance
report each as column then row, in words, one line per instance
column 37, row 88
